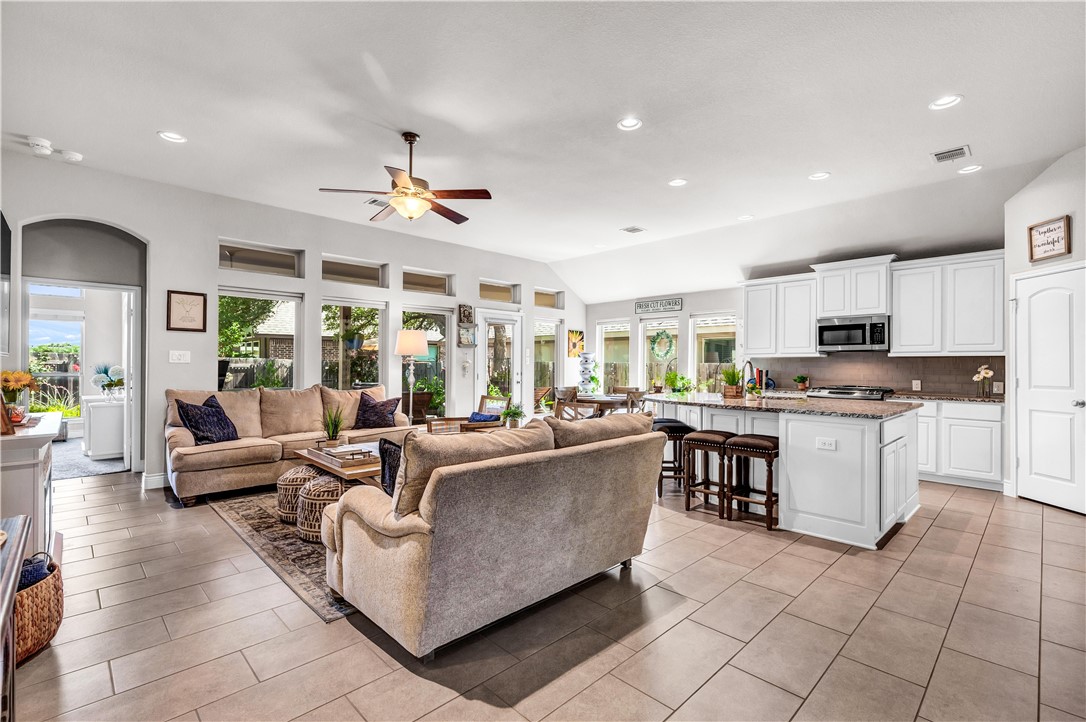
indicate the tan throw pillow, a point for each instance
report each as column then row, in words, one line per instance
column 377, row 392
column 243, row 408
column 346, row 401
column 285, row 411
column 589, row 431
column 423, row 453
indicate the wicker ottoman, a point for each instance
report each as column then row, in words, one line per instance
column 312, row 498
column 292, row 480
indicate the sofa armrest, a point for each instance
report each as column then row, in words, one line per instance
column 178, row 437
column 374, row 507
column 401, row 419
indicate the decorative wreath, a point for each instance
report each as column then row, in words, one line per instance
column 662, row 344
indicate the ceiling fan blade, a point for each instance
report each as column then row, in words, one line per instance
column 383, row 214
column 476, row 193
column 400, row 176
column 447, row 212
column 352, row 190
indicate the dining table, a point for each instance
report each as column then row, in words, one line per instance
column 607, row 403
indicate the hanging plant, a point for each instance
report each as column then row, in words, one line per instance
column 662, row 344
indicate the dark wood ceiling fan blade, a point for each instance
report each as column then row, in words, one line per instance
column 481, row 194
column 447, row 212
column 399, row 175
column 383, row 214
column 352, row 190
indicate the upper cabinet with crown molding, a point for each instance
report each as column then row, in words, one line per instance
column 853, row 288
column 779, row 318
column 951, row 306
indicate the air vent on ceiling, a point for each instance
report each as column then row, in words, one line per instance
column 632, row 229
column 943, row 156
column 376, row 202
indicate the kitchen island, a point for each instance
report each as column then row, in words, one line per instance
column 847, row 470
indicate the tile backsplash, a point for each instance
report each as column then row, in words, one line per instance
column 937, row 374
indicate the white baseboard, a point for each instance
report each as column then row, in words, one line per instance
column 958, row 481
column 154, row 481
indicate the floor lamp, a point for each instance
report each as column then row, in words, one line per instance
column 410, row 344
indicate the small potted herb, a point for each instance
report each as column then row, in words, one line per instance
column 333, row 424
column 731, row 376
column 512, row 416
column 801, row 381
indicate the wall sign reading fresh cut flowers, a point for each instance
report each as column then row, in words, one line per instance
column 1049, row 239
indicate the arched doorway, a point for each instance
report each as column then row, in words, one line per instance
column 83, row 288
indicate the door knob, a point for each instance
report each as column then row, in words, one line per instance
column 1079, row 403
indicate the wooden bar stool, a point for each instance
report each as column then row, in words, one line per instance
column 676, row 431
column 752, row 446
column 707, row 441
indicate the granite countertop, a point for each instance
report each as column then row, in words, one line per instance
column 909, row 395
column 793, row 404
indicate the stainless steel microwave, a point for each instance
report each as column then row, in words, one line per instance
column 854, row 333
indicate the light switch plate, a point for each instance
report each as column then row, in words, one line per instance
column 997, row 387
column 825, row 444
column 916, row 384
column 180, row 357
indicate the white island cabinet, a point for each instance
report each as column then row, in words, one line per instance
column 26, row 460
column 847, row 470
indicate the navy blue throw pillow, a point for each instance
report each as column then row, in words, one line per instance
column 373, row 414
column 476, row 417
column 390, row 463
column 209, row 424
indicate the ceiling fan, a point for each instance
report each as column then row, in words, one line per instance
column 411, row 196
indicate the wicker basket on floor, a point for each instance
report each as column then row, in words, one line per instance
column 39, row 610
column 288, row 486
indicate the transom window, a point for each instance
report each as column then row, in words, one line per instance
column 278, row 262
column 426, row 282
column 498, row 291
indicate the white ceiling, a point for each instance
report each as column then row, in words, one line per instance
column 745, row 100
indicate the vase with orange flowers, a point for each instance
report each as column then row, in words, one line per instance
column 14, row 382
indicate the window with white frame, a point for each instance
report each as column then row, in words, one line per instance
column 614, row 345
column 351, row 345
column 256, row 341
column 714, row 346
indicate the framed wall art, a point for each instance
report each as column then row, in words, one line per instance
column 575, row 344
column 465, row 314
column 465, row 335
column 186, row 311
column 1049, row 239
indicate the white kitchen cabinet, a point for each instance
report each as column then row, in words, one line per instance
column 891, row 476
column 926, row 444
column 853, row 288
column 103, row 430
column 779, row 318
column 951, row 306
column 760, row 320
column 916, row 323
column 974, row 306
column 796, row 334
column 970, row 448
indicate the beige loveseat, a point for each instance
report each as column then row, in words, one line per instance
column 271, row 424
column 464, row 543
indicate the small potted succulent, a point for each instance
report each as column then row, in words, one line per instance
column 731, row 376
column 333, row 425
column 512, row 416
column 801, row 382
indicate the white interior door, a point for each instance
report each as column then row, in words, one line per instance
column 500, row 354
column 1050, row 371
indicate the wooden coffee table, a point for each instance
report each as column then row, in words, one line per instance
column 369, row 473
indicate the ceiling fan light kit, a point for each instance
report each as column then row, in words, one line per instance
column 411, row 197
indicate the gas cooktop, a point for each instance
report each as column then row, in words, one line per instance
column 865, row 393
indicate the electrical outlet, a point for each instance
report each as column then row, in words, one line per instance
column 916, row 384
column 997, row 387
column 825, row 444
column 180, row 357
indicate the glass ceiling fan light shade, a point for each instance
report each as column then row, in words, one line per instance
column 411, row 343
column 410, row 207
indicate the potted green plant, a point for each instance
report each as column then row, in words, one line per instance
column 657, row 387
column 753, row 391
column 512, row 416
column 731, row 376
column 333, row 425
column 801, row 381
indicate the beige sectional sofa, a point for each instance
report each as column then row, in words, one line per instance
column 271, row 424
column 483, row 525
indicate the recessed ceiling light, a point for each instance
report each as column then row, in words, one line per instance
column 820, row 175
column 745, row 218
column 970, row 169
column 71, row 156
column 676, row 182
column 629, row 123
column 947, row 101
column 172, row 137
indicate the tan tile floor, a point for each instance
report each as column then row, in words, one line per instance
column 975, row 611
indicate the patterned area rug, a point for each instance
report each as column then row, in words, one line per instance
column 299, row 563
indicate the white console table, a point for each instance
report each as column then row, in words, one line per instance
column 25, row 487
column 103, row 429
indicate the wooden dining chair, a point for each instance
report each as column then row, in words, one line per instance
column 575, row 410
column 494, row 404
column 635, row 402
column 540, row 394
column 565, row 393
column 457, row 425
column 620, row 390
